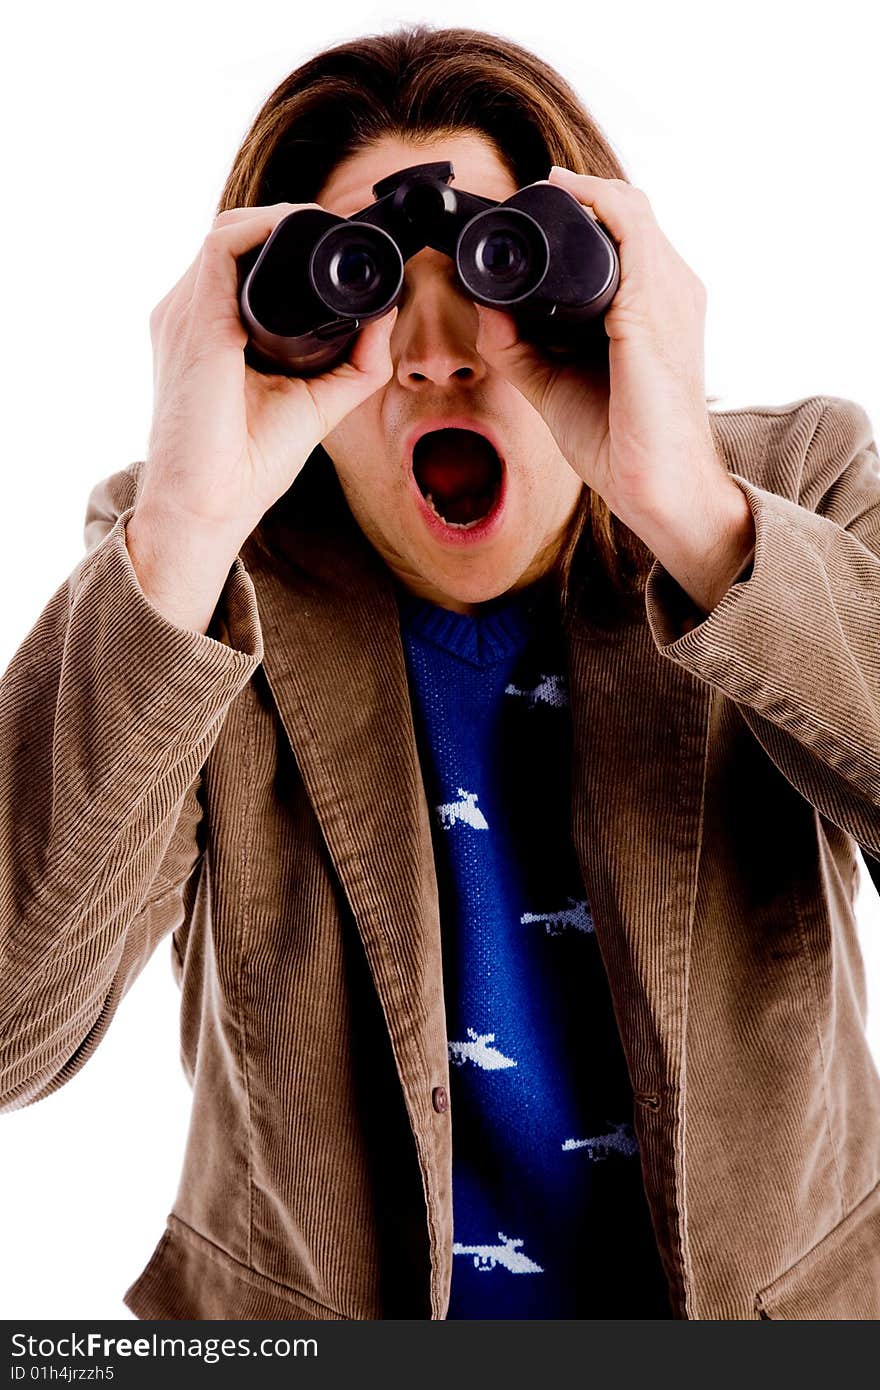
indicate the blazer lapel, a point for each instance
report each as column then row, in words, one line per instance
column 334, row 662
column 641, row 726
column 639, row 730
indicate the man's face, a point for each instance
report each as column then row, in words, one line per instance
column 438, row 375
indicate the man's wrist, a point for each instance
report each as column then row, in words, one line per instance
column 181, row 571
column 707, row 551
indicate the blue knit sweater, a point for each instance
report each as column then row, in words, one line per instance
column 549, row 1210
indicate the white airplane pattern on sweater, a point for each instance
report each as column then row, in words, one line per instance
column 550, row 690
column 465, row 810
column 620, row 1140
column 489, row 1058
column 507, row 1254
column 576, row 915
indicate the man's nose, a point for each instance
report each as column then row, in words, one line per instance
column 435, row 334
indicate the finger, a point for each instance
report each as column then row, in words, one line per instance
column 586, row 206
column 367, row 367
column 496, row 331
column 621, row 208
column 371, row 351
column 498, row 343
column 241, row 229
column 230, row 215
column 229, row 238
column 253, row 224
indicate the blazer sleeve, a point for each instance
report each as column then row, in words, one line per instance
column 795, row 642
column 107, row 715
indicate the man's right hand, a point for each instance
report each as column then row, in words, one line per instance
column 227, row 441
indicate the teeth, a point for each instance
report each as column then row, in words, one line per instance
column 457, row 525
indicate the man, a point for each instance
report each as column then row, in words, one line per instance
column 464, row 887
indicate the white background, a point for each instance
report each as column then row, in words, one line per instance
column 753, row 130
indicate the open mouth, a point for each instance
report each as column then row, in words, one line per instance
column 458, row 473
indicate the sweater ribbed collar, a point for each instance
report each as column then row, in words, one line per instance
column 499, row 628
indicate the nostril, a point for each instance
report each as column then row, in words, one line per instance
column 462, row 373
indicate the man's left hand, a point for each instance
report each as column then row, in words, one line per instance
column 641, row 436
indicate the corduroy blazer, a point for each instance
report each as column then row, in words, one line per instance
column 254, row 796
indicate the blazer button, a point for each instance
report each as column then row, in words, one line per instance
column 440, row 1099
column 648, row 1099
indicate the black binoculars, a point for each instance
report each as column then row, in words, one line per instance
column 539, row 256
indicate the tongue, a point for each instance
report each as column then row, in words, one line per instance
column 459, row 468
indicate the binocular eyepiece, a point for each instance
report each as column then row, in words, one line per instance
column 306, row 292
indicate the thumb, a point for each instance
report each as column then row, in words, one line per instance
column 500, row 345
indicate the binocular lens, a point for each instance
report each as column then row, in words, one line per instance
column 352, row 268
column 356, row 269
column 502, row 256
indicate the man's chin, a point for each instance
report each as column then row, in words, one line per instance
column 464, row 593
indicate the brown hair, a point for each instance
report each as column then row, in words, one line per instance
column 417, row 83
